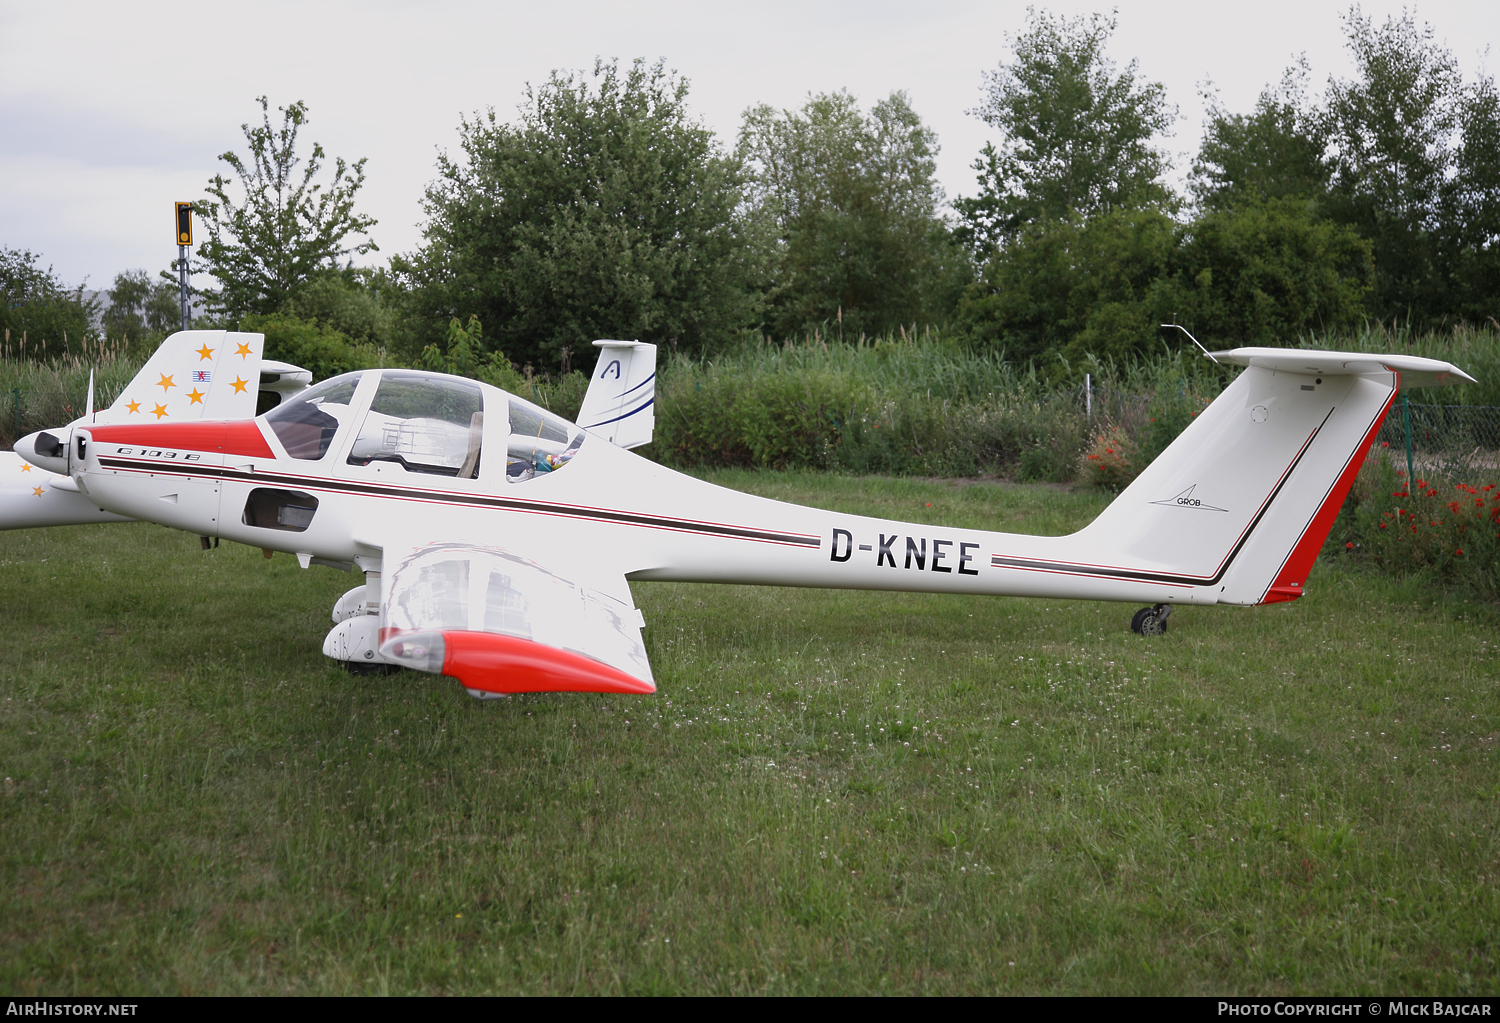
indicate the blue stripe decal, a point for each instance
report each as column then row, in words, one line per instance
column 638, row 386
column 649, row 401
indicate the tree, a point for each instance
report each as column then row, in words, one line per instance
column 1391, row 134
column 354, row 302
column 314, row 346
column 1074, row 288
column 1276, row 150
column 284, row 227
column 605, row 211
column 1268, row 273
column 140, row 306
column 1258, row 273
column 38, row 311
column 1075, row 132
column 1472, row 210
column 853, row 205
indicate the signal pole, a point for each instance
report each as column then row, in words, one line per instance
column 184, row 239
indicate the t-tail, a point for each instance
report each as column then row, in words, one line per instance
column 1238, row 506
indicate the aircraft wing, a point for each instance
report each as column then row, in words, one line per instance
column 30, row 496
column 502, row 622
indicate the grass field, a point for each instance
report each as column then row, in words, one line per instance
column 831, row 792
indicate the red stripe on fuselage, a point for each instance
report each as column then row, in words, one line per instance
column 236, row 437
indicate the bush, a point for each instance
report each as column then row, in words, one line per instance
column 898, row 407
column 1111, row 461
column 1449, row 530
column 344, row 302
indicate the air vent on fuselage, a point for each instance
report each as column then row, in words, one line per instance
column 289, row 510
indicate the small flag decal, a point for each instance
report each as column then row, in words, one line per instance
column 202, row 376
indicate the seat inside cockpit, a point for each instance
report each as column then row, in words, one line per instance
column 423, row 422
column 540, row 442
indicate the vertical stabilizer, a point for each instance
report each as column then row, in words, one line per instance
column 193, row 375
column 1238, row 506
column 620, row 405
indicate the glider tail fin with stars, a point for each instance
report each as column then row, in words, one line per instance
column 193, row 375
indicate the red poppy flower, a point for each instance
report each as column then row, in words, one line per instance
column 1349, row 545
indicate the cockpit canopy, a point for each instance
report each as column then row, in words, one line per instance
column 540, row 442
column 425, row 423
column 305, row 425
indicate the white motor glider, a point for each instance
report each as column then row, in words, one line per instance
column 497, row 540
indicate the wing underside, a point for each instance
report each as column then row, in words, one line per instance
column 500, row 622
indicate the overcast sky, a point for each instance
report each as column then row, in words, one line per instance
column 110, row 112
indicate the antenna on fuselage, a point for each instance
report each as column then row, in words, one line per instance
column 1193, row 340
column 91, row 396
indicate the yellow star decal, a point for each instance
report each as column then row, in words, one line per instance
column 37, row 491
column 159, row 411
column 243, row 350
column 239, row 385
column 133, row 406
column 196, row 395
column 165, row 382
column 205, row 352
column 25, row 467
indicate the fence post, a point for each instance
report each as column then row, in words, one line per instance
column 1411, row 476
column 1088, row 396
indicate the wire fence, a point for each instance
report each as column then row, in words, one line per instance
column 1456, row 442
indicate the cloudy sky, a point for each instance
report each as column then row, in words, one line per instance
column 110, row 112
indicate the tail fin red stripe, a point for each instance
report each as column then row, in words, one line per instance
column 1289, row 581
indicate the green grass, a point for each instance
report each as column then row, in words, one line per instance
column 831, row 792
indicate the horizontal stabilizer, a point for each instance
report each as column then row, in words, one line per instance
column 1415, row 371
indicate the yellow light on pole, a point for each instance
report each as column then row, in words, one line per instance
column 184, row 239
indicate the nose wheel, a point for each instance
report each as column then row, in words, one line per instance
column 1151, row 621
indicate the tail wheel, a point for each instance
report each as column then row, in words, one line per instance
column 1151, row 621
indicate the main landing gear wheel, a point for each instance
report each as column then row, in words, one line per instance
column 1151, row 621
